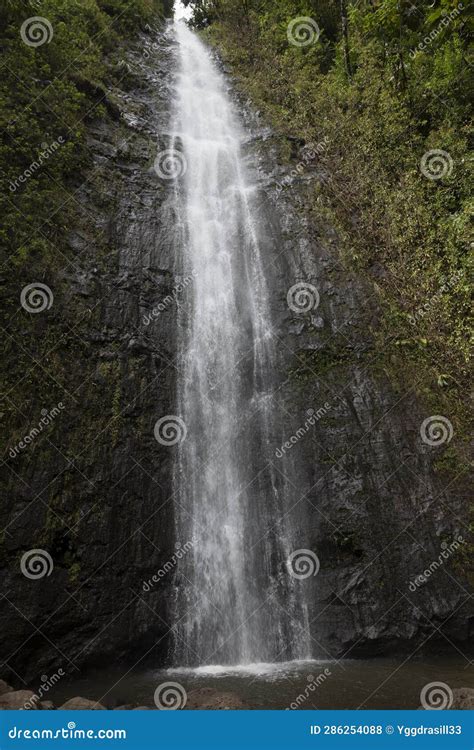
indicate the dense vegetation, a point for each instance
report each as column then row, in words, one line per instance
column 60, row 61
column 385, row 82
column 380, row 84
column 47, row 94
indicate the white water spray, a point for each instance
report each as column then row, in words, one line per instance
column 236, row 603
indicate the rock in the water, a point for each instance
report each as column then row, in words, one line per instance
column 81, row 704
column 463, row 698
column 132, row 707
column 210, row 698
column 5, row 688
column 47, row 705
column 19, row 700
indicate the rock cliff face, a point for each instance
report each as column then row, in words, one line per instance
column 382, row 511
column 95, row 492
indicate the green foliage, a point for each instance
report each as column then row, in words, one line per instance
column 395, row 88
column 48, row 93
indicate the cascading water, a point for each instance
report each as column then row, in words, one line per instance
column 235, row 602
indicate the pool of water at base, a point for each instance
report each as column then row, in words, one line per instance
column 351, row 684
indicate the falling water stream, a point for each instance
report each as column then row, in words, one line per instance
column 236, row 603
column 240, row 618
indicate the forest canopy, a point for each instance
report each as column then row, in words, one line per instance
column 385, row 87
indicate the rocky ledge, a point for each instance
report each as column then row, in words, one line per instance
column 199, row 699
column 207, row 699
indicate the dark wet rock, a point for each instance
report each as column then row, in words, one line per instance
column 103, row 483
column 463, row 698
column 366, row 492
column 19, row 700
column 297, row 327
column 212, row 699
column 317, row 321
column 81, row 704
column 48, row 706
column 5, row 688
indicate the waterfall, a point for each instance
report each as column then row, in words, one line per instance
column 235, row 602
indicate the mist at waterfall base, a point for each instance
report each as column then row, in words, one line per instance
column 369, row 684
